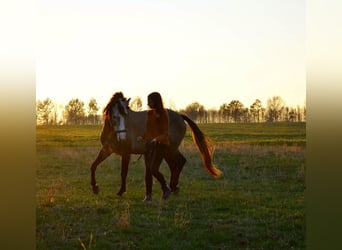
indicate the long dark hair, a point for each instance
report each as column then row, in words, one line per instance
column 158, row 102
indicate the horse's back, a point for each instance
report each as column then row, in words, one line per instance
column 177, row 128
column 136, row 126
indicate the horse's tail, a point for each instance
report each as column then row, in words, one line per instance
column 203, row 146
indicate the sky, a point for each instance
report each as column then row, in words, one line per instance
column 210, row 52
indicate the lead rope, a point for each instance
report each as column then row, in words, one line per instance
column 136, row 161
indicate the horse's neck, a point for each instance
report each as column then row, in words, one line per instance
column 107, row 131
column 136, row 112
column 137, row 115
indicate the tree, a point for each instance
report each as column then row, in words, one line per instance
column 292, row 114
column 171, row 105
column 195, row 111
column 212, row 116
column 225, row 112
column 302, row 113
column 136, row 104
column 275, row 107
column 256, row 110
column 44, row 111
column 237, row 110
column 92, row 110
column 245, row 115
column 74, row 111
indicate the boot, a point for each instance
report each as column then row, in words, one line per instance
column 166, row 192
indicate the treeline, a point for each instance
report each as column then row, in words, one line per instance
column 76, row 112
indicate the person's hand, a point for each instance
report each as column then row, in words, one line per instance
column 152, row 143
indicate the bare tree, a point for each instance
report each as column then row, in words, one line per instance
column 274, row 109
column 171, row 104
column 245, row 115
column 224, row 112
column 301, row 113
column 195, row 111
column 44, row 111
column 212, row 116
column 136, row 104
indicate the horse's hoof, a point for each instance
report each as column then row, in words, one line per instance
column 121, row 192
column 96, row 189
column 175, row 190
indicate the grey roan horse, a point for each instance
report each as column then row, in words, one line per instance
column 121, row 128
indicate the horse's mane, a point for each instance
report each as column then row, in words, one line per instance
column 111, row 103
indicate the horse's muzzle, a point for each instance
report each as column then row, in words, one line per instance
column 121, row 135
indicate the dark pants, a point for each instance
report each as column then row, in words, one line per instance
column 153, row 158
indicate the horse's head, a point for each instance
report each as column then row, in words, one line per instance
column 123, row 106
column 117, row 110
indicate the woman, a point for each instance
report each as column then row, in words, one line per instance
column 157, row 139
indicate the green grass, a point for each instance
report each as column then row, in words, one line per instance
column 257, row 204
column 257, row 133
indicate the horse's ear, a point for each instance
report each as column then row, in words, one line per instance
column 128, row 100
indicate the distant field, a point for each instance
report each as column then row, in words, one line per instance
column 257, row 204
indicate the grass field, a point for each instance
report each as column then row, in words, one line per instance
column 257, row 204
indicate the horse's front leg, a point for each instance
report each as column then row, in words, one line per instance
column 124, row 170
column 103, row 154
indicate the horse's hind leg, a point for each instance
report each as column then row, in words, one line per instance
column 103, row 154
column 124, row 170
column 176, row 162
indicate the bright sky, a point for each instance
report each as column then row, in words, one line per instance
column 211, row 52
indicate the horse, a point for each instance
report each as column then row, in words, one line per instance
column 119, row 135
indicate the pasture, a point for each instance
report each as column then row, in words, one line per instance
column 257, row 204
